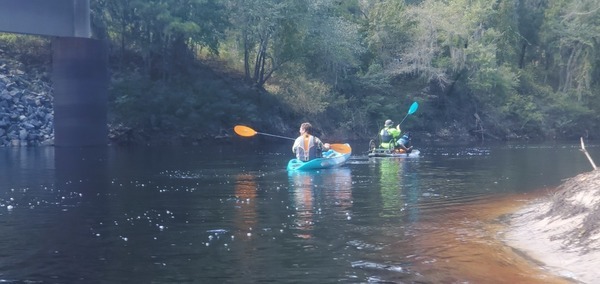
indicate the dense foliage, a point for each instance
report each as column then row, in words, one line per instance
column 513, row 69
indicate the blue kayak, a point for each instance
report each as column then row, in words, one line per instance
column 330, row 159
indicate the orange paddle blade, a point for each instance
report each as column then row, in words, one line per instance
column 341, row 148
column 244, row 131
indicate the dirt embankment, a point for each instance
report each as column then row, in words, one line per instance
column 563, row 231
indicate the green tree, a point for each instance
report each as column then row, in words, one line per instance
column 333, row 42
column 572, row 34
column 268, row 33
column 456, row 50
column 387, row 32
column 518, row 67
column 161, row 33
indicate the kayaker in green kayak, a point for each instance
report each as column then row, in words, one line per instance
column 307, row 146
column 389, row 135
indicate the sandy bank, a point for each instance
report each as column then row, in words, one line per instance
column 562, row 231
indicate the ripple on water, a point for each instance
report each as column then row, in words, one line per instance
column 361, row 245
column 376, row 266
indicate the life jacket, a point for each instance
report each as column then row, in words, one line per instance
column 312, row 152
column 385, row 135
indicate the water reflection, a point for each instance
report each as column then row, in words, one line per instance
column 19, row 164
column 399, row 187
column 245, row 192
column 87, row 166
column 315, row 191
column 390, row 176
column 57, row 195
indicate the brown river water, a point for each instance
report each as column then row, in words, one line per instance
column 232, row 214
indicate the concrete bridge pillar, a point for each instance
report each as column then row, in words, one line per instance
column 80, row 77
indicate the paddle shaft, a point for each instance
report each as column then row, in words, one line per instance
column 342, row 148
column 246, row 131
column 273, row 135
column 403, row 119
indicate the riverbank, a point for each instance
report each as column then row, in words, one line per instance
column 562, row 231
column 26, row 111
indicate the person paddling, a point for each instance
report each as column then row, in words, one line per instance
column 307, row 146
column 391, row 139
column 389, row 135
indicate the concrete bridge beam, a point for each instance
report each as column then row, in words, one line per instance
column 79, row 63
column 68, row 18
column 80, row 76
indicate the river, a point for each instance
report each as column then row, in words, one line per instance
column 231, row 213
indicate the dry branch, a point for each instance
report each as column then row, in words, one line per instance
column 587, row 154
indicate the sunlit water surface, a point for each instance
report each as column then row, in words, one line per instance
column 232, row 214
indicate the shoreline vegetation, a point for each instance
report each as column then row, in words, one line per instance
column 188, row 73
